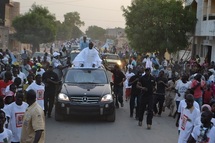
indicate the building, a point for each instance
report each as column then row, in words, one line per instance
column 115, row 32
column 4, row 28
column 8, row 11
column 204, row 39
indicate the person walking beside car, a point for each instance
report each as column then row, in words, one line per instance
column 33, row 128
column 50, row 79
column 57, row 65
column 118, row 79
column 135, row 92
column 146, row 84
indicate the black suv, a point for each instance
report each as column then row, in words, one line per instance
column 85, row 91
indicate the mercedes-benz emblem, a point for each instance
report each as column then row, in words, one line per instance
column 84, row 99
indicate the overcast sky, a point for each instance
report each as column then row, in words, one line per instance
column 102, row 13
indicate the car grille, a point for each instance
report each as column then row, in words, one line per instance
column 85, row 99
column 111, row 64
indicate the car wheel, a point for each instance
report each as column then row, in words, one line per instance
column 111, row 117
column 58, row 116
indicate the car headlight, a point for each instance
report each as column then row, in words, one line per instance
column 107, row 98
column 62, row 96
column 119, row 63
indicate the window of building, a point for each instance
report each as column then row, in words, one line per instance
column 212, row 11
column 205, row 5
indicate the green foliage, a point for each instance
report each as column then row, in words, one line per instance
column 36, row 26
column 73, row 19
column 69, row 28
column 96, row 32
column 157, row 25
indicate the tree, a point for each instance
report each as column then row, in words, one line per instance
column 157, row 25
column 35, row 27
column 96, row 32
column 69, row 28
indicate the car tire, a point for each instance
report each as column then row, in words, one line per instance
column 111, row 117
column 58, row 116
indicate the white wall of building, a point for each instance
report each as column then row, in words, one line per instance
column 205, row 29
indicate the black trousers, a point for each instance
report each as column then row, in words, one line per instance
column 49, row 97
column 118, row 91
column 146, row 103
column 158, row 99
column 132, row 104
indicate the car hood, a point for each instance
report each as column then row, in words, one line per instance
column 85, row 89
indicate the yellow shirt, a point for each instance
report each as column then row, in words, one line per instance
column 33, row 120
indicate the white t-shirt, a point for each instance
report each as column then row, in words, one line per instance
column 129, row 66
column 40, row 72
column 182, row 88
column 16, row 114
column 210, row 134
column 25, row 69
column 187, row 124
column 22, row 76
column 39, row 89
column 182, row 106
column 128, row 76
column 56, row 63
column 6, row 136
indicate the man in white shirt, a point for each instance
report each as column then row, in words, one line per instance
column 15, row 112
column 21, row 75
column 57, row 65
column 181, row 107
column 39, row 88
column 26, row 68
column 88, row 57
column 181, row 87
column 204, row 133
column 128, row 75
column 187, row 120
column 40, row 70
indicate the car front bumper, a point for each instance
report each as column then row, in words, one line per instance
column 71, row 108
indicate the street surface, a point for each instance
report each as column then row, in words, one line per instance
column 123, row 130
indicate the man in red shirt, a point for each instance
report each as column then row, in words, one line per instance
column 4, row 83
column 196, row 86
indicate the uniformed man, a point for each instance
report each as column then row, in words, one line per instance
column 147, row 84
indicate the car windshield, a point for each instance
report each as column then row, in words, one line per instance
column 115, row 57
column 86, row 76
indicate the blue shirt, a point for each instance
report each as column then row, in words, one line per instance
column 84, row 45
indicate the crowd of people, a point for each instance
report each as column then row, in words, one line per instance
column 28, row 89
column 27, row 93
column 186, row 89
